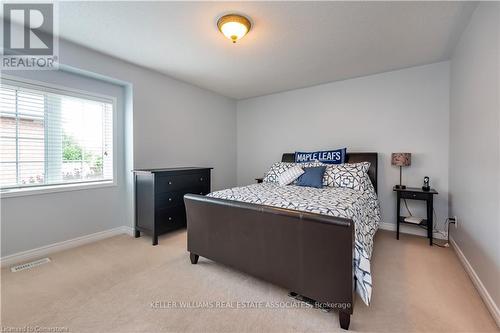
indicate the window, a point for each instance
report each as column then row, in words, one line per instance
column 53, row 137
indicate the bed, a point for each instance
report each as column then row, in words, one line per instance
column 268, row 232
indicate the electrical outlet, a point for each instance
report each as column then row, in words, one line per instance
column 453, row 220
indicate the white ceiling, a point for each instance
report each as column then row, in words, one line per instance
column 291, row 44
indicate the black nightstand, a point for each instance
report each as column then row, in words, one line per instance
column 415, row 193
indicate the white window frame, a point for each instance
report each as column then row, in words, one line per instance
column 61, row 90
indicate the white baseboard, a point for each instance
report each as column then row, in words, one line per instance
column 24, row 256
column 405, row 229
column 127, row 230
column 483, row 292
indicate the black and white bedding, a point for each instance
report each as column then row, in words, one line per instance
column 359, row 205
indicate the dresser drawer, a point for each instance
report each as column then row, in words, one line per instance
column 176, row 198
column 412, row 195
column 201, row 190
column 170, row 218
column 169, row 183
column 169, row 199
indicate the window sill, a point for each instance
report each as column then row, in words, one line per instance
column 19, row 192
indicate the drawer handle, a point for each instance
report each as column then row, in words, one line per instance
column 201, row 179
column 170, row 199
column 169, row 183
column 414, row 195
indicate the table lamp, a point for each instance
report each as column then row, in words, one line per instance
column 401, row 160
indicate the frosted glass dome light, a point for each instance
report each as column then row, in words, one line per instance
column 233, row 26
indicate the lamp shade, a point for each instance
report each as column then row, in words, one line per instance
column 401, row 159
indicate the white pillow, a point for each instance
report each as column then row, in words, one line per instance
column 290, row 175
column 349, row 175
column 276, row 170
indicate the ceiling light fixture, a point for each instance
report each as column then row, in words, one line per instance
column 234, row 26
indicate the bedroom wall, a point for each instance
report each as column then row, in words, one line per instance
column 31, row 221
column 174, row 124
column 475, row 146
column 404, row 110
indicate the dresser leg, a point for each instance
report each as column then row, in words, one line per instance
column 137, row 233
column 155, row 240
column 194, row 258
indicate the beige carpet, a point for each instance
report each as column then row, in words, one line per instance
column 109, row 286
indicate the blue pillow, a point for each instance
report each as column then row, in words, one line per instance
column 324, row 156
column 312, row 177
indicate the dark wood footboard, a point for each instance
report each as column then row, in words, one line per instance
column 309, row 254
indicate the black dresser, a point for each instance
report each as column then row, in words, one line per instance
column 159, row 197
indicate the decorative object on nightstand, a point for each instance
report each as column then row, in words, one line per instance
column 259, row 180
column 401, row 160
column 415, row 193
column 426, row 187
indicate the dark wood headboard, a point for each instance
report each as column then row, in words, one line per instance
column 351, row 158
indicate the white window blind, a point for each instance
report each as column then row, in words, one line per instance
column 51, row 137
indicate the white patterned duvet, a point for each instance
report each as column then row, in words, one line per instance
column 360, row 206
